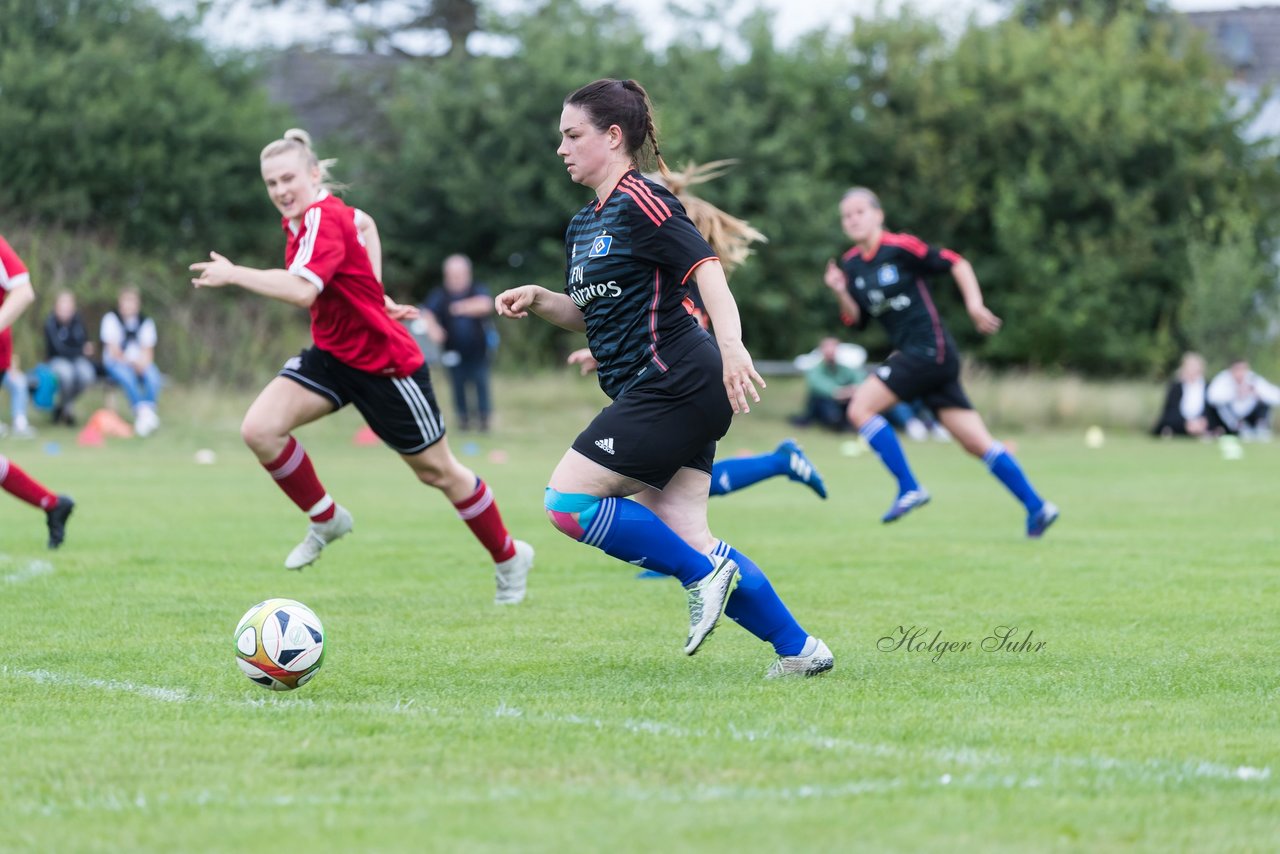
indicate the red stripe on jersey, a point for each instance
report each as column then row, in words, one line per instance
column 909, row 242
column 953, row 257
column 848, row 255
column 933, row 318
column 653, row 321
column 697, row 265
column 654, row 215
column 644, row 190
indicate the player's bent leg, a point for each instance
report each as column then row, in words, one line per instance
column 585, row 501
column 874, row 397
column 281, row 407
column 969, row 430
column 476, row 506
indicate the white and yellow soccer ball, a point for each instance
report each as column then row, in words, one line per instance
column 280, row 644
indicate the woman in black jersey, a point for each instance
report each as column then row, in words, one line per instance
column 635, row 482
column 883, row 276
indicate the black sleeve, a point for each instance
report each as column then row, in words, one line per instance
column 667, row 238
column 79, row 335
column 1171, row 415
column 925, row 258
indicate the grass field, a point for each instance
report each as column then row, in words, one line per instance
column 1148, row 720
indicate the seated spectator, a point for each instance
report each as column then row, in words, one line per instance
column 1185, row 402
column 831, row 381
column 15, row 382
column 1240, row 402
column 128, row 355
column 67, row 353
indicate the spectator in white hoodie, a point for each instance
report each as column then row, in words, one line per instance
column 1240, row 402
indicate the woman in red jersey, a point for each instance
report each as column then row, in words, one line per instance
column 16, row 294
column 360, row 355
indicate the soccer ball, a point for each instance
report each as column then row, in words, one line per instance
column 280, row 644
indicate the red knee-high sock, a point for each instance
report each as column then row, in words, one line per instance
column 295, row 475
column 480, row 512
column 18, row 483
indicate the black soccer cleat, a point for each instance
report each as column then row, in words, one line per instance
column 56, row 517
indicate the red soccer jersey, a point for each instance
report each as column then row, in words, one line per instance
column 13, row 274
column 349, row 318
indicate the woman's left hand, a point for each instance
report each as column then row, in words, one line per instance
column 740, row 376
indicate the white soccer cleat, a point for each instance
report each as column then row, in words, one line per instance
column 818, row 661
column 512, row 575
column 319, row 535
column 707, row 601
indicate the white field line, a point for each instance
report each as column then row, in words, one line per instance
column 973, row 768
column 31, row 569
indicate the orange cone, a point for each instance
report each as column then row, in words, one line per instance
column 90, row 436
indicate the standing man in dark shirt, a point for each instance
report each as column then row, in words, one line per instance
column 68, row 351
column 883, row 276
column 457, row 318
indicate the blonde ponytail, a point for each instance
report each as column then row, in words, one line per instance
column 730, row 237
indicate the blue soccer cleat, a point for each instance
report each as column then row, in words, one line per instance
column 1039, row 522
column 800, row 468
column 905, row 503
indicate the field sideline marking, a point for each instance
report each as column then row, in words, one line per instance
column 27, row 571
column 1150, row 770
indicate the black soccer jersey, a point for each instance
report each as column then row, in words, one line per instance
column 890, row 285
column 630, row 259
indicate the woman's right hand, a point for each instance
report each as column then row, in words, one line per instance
column 516, row 302
column 834, row 277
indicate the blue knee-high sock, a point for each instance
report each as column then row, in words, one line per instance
column 630, row 531
column 879, row 434
column 757, row 607
column 1007, row 470
column 740, row 472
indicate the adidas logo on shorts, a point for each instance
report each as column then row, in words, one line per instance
column 605, row 445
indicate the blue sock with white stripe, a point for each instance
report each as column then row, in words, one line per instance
column 630, row 531
column 1007, row 470
column 880, row 436
column 756, row 607
column 740, row 472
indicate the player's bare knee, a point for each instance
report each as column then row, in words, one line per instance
column 261, row 438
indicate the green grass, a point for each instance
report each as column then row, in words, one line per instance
column 439, row 722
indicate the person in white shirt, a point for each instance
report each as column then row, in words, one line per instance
column 1184, row 411
column 1240, row 402
column 128, row 354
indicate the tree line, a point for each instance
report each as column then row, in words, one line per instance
column 1086, row 159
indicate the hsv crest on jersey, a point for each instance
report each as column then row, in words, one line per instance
column 888, row 275
column 600, row 247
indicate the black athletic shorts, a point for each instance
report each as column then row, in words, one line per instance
column 664, row 424
column 914, row 378
column 401, row 410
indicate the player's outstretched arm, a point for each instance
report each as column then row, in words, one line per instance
column 983, row 319
column 740, row 375
column 15, row 303
column 555, row 308
column 372, row 242
column 278, row 284
column 835, row 279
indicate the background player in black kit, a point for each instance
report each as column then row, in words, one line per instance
column 630, row 254
column 883, row 276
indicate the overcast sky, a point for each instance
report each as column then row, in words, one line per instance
column 249, row 25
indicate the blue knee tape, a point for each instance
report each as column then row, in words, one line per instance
column 572, row 502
